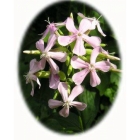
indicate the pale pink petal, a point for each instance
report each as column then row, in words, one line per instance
column 112, row 65
column 81, row 15
column 79, row 105
column 63, row 89
column 75, row 92
column 40, row 45
column 102, row 65
column 60, row 24
column 32, row 91
column 51, row 43
column 103, row 51
column 60, row 56
column 70, row 25
column 45, row 33
column 32, row 63
column 85, row 25
column 78, row 63
column 52, row 28
column 79, row 76
column 64, row 112
column 51, row 37
column 79, row 48
column 94, row 55
column 94, row 79
column 94, row 41
column 93, row 24
column 100, row 30
column 54, row 80
column 42, row 63
column 33, row 77
column 54, row 67
column 54, row 103
column 34, row 66
column 65, row 40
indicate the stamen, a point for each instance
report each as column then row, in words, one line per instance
column 99, row 17
column 48, row 21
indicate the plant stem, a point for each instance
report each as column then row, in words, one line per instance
column 81, row 123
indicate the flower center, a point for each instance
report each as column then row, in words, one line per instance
column 45, row 55
column 67, row 104
column 28, row 77
column 91, row 67
column 79, row 34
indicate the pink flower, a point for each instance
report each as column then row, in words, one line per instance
column 52, row 28
column 67, row 101
column 47, row 55
column 30, row 77
column 54, row 80
column 77, row 63
column 112, row 65
column 94, row 23
column 78, row 35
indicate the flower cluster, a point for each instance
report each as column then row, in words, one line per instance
column 70, row 50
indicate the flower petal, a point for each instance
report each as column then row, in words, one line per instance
column 51, row 42
column 64, row 112
column 79, row 76
column 81, row 15
column 94, row 79
column 42, row 63
column 70, row 25
column 60, row 56
column 54, row 80
column 93, row 24
column 79, row 48
column 85, row 25
column 33, row 77
column 40, row 45
column 65, row 40
column 79, row 105
column 103, row 51
column 54, row 103
column 32, row 91
column 78, row 63
column 94, row 55
column 45, row 33
column 99, row 29
column 112, row 65
column 63, row 89
column 102, row 65
column 94, row 41
column 75, row 92
column 53, row 65
column 34, row 66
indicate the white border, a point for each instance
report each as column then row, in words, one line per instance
column 113, row 125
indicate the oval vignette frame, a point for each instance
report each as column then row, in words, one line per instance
column 23, row 66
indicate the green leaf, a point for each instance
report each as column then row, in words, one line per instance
column 115, row 78
column 105, row 81
column 62, row 75
column 79, row 19
column 70, row 123
column 69, row 70
column 90, row 96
